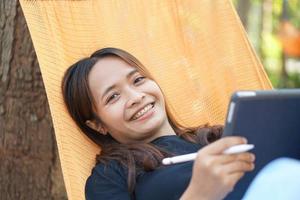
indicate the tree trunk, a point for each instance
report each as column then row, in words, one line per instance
column 260, row 32
column 243, row 8
column 283, row 77
column 29, row 167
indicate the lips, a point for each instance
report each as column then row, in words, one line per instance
column 139, row 113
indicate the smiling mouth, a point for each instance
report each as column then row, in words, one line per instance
column 143, row 111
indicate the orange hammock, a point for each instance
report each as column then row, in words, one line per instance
column 197, row 51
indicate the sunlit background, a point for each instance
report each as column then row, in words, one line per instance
column 273, row 27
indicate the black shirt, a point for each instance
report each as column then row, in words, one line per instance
column 166, row 183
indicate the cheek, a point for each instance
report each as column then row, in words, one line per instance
column 112, row 115
column 155, row 88
column 159, row 94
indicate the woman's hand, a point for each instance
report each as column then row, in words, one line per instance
column 215, row 174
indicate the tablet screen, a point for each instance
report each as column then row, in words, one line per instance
column 268, row 119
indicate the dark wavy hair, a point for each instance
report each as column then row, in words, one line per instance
column 133, row 157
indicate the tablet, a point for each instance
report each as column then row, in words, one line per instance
column 270, row 120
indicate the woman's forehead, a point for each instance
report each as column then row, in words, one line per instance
column 110, row 67
column 109, row 71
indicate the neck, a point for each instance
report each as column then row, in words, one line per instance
column 165, row 129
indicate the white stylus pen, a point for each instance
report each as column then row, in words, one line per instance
column 192, row 156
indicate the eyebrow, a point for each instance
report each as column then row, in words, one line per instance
column 114, row 86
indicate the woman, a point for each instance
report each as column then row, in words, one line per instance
column 116, row 102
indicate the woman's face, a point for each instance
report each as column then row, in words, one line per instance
column 131, row 107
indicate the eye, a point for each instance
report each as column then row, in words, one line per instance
column 139, row 79
column 112, row 97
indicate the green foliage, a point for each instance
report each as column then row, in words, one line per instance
column 274, row 78
column 293, row 80
column 263, row 30
column 271, row 46
column 276, row 14
column 294, row 12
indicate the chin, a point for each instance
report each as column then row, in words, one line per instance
column 152, row 126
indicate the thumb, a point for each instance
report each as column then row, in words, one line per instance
column 220, row 145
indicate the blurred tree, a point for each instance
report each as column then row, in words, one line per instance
column 30, row 167
column 275, row 36
column 243, row 8
column 289, row 35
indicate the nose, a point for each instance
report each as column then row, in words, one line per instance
column 134, row 97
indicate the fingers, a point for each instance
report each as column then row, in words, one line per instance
column 236, row 176
column 220, row 145
column 232, row 179
column 238, row 166
column 246, row 157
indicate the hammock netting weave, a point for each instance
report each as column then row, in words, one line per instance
column 197, row 51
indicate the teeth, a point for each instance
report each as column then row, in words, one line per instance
column 143, row 111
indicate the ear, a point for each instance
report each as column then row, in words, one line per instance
column 96, row 126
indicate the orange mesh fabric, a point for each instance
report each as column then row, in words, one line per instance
column 197, row 50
